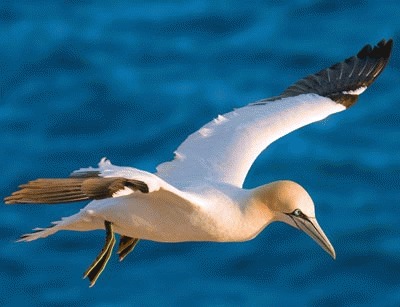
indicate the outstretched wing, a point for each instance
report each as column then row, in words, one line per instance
column 106, row 181
column 224, row 149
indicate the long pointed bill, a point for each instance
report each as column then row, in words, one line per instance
column 311, row 227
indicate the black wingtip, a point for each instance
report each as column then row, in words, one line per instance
column 382, row 50
column 343, row 82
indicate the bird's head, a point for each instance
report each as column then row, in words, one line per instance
column 290, row 203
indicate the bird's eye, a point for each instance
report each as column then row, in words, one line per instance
column 297, row 212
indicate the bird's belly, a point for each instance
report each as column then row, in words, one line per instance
column 157, row 220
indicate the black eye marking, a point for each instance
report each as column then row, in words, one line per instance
column 299, row 213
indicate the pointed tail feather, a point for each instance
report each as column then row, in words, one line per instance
column 81, row 221
column 40, row 232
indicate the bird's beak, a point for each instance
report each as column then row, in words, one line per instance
column 311, row 227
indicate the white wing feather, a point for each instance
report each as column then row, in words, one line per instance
column 223, row 150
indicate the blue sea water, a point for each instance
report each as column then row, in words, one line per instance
column 129, row 80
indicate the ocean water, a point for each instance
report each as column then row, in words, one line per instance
column 130, row 80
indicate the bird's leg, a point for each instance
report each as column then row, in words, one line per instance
column 98, row 265
column 126, row 245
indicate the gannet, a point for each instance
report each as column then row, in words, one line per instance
column 199, row 196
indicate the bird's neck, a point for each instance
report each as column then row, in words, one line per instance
column 254, row 214
column 257, row 202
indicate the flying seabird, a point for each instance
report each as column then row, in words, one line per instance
column 199, row 195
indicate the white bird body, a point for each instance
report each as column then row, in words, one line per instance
column 167, row 217
column 199, row 196
column 203, row 212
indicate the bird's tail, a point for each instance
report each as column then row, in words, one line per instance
column 77, row 222
column 41, row 232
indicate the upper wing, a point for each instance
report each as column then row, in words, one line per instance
column 224, row 149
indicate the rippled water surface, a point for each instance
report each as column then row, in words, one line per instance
column 131, row 80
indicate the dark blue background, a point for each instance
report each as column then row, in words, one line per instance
column 131, row 80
